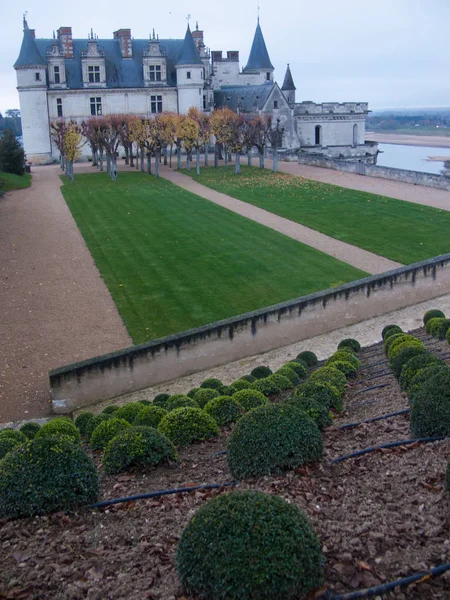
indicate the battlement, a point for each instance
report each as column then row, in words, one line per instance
column 232, row 56
column 329, row 108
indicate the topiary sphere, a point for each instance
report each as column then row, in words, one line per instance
column 391, row 339
column 137, row 447
column 389, row 330
column 180, row 400
column 411, row 367
column 432, row 314
column 183, row 426
column 203, row 396
column 354, row 345
column 227, row 390
column 224, row 410
column 151, row 416
column 435, row 327
column 249, row 545
column 45, row 475
column 105, row 432
column 13, row 434
column 94, row 422
column 324, row 393
column 249, row 378
column 421, row 377
column 249, row 399
column 192, row 392
column 30, row 429
column 261, row 372
column 267, row 386
column 82, row 420
column 281, row 381
column 403, row 356
column 129, row 411
column 318, row 412
column 299, row 367
column 7, row 444
column 430, row 411
column 62, row 427
column 345, row 367
column 161, row 400
column 443, row 329
column 241, row 384
column 396, row 348
column 308, row 357
column 144, row 402
column 432, row 323
column 342, row 355
column 211, row 383
column 332, row 376
column 270, row 439
column 109, row 410
column 290, row 374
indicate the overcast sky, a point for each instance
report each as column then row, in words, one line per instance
column 391, row 53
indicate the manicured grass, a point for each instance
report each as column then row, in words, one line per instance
column 402, row 231
column 9, row 181
column 173, row 261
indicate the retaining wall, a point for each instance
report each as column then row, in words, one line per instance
column 416, row 177
column 137, row 367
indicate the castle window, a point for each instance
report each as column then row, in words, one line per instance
column 204, row 102
column 37, row 76
column 155, row 73
column 94, row 74
column 96, row 106
column 56, row 75
column 267, row 76
column 275, row 103
column 188, row 75
column 203, row 74
column 156, row 104
column 318, row 135
column 59, row 110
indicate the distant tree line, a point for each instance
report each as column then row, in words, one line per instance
column 390, row 122
column 11, row 121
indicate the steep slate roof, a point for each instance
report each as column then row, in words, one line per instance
column 259, row 57
column 248, row 98
column 29, row 55
column 120, row 73
column 288, row 83
column 189, row 53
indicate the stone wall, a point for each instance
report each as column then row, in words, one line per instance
column 415, row 177
column 219, row 343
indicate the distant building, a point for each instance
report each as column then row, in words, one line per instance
column 77, row 78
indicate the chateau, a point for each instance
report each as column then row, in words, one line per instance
column 77, row 78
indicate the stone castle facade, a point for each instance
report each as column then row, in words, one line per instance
column 78, row 78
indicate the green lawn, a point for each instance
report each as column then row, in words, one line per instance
column 173, row 261
column 398, row 230
column 9, row 181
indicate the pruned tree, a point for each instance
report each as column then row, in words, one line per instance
column 237, row 141
column 72, row 143
column 137, row 131
column 58, row 130
column 204, row 127
column 275, row 136
column 178, row 137
column 222, row 129
column 188, row 131
column 262, row 126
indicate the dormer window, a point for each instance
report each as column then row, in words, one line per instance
column 155, row 73
column 93, row 74
column 56, row 74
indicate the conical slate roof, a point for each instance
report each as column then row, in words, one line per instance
column 288, row 83
column 189, row 53
column 259, row 57
column 29, row 54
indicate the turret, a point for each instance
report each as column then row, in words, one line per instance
column 259, row 61
column 190, row 76
column 288, row 88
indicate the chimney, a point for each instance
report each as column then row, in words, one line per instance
column 216, row 55
column 198, row 37
column 233, row 55
column 124, row 37
column 65, row 38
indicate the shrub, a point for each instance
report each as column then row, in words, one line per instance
column 138, row 447
column 129, row 411
column 324, row 393
column 342, row 355
column 299, row 367
column 109, row 410
column 104, row 432
column 227, row 390
column 448, row 336
column 345, row 367
column 186, row 425
column 266, row 386
column 96, row 420
column 224, row 410
column 212, row 383
column 392, row 343
column 7, row 444
column 249, row 378
column 389, row 330
column 13, row 434
column 151, row 416
column 12, row 155
column 308, row 357
column 261, row 372
column 403, row 356
column 436, row 326
column 414, row 365
column 249, row 399
column 161, row 400
column 281, row 381
column 144, row 402
column 432, row 314
column 192, row 392
column 241, row 384
column 290, row 374
column 430, row 411
column 432, row 323
column 444, row 327
column 354, row 345
column 61, row 427
column 203, row 396
column 179, row 400
column 332, row 376
column 422, row 377
column 249, row 545
column 270, row 439
column 391, row 339
column 318, row 412
column 82, row 420
column 396, row 348
column 30, row 429
column 44, row 475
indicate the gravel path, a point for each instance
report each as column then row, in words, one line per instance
column 55, row 307
column 352, row 255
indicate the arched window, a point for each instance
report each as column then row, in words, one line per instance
column 355, row 134
column 318, row 135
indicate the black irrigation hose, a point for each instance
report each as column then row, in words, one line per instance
column 372, row 420
column 221, row 453
column 373, row 365
column 389, row 445
column 380, row 373
column 374, row 387
column 387, row 587
column 208, row 486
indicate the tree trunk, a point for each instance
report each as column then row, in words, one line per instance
column 127, row 154
column 188, row 162
column 275, row 159
column 225, row 151
column 237, row 163
column 130, row 150
column 197, row 162
column 114, row 167
column 178, row 157
column 249, row 158
column 261, row 158
column 101, row 159
column 206, row 155
column 137, row 158
column 165, row 156
column 170, row 156
column 216, row 155
column 157, row 159
column 108, row 163
column 142, row 160
column 149, row 163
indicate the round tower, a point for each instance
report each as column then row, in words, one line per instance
column 190, row 76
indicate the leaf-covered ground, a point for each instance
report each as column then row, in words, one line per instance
column 399, row 230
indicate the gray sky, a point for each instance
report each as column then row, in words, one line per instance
column 391, row 53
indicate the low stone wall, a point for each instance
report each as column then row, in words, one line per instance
column 416, row 177
column 137, row 367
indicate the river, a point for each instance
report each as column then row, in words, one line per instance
column 413, row 158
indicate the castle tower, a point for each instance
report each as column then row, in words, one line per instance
column 31, row 72
column 288, row 88
column 190, row 76
column 259, row 60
